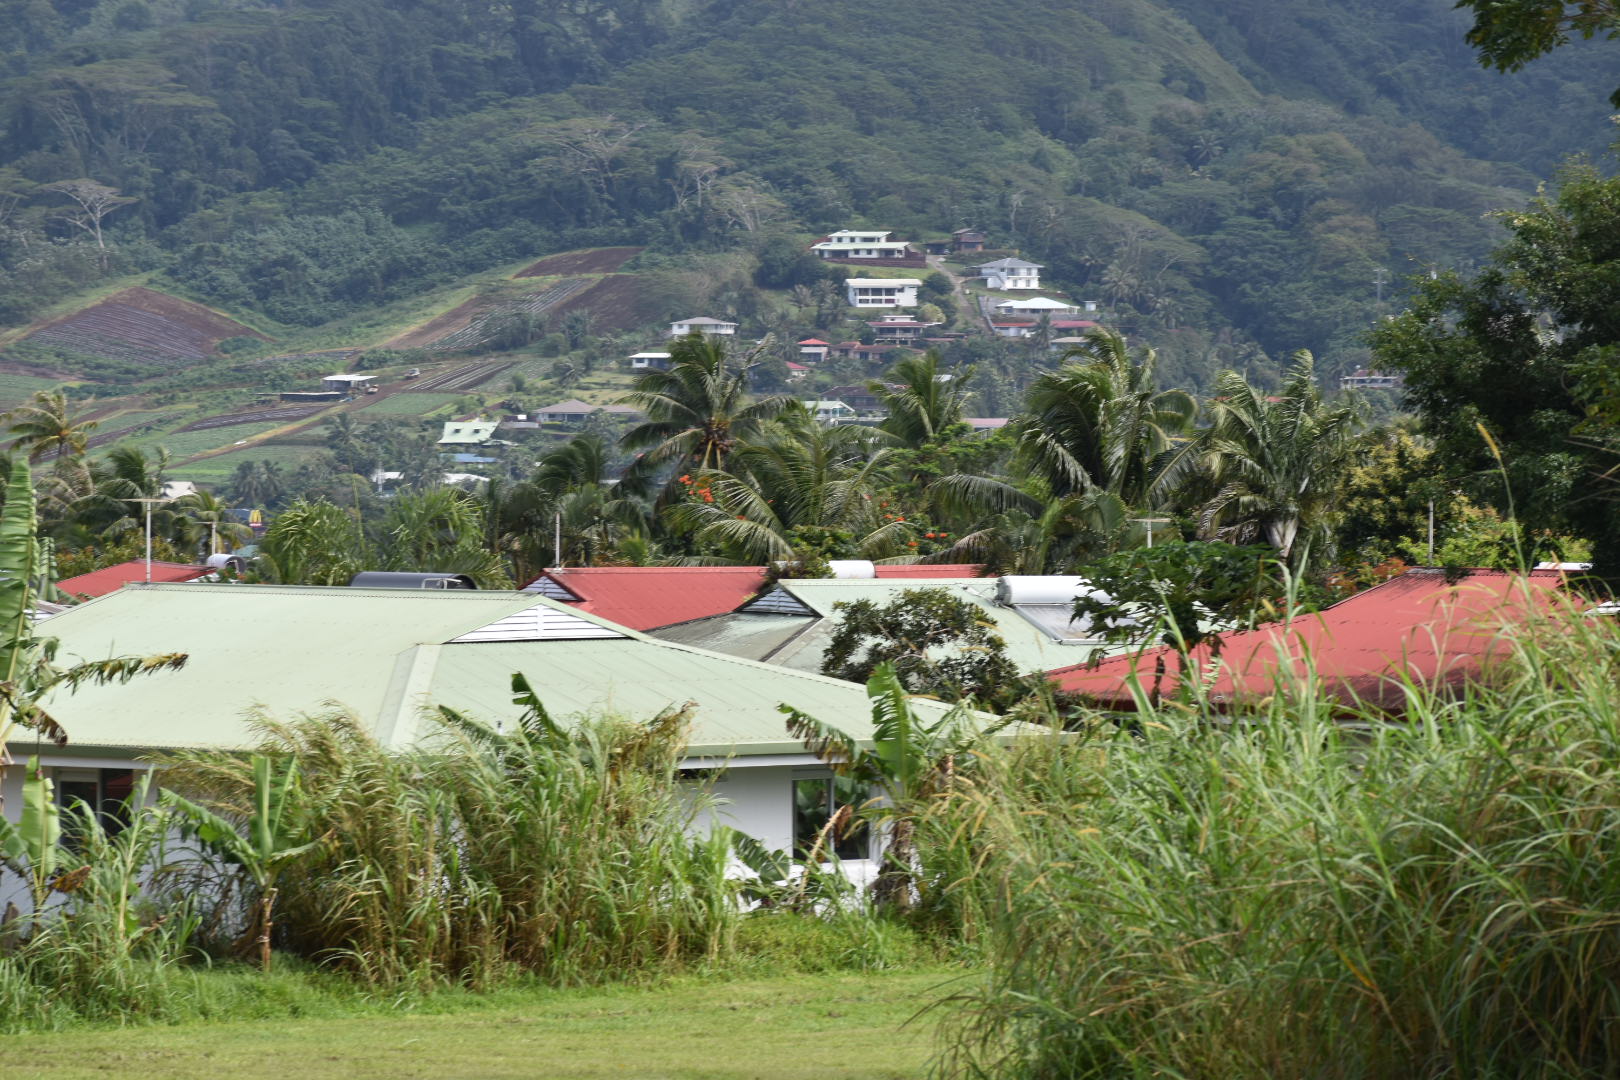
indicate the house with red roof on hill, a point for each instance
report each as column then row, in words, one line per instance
column 813, row 350
column 1420, row 627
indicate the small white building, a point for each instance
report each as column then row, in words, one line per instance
column 1362, row 379
column 813, row 350
column 649, row 361
column 347, row 384
column 830, row 412
column 1035, row 305
column 860, row 244
column 1010, row 274
column 882, row 292
column 468, row 432
column 705, row 326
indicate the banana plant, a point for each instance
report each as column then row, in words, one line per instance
column 28, row 672
column 32, row 846
column 269, row 842
column 909, row 760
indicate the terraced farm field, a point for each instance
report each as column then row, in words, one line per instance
column 595, row 261
column 462, row 378
column 142, row 326
column 14, row 388
column 616, row 302
column 255, row 416
column 184, row 444
column 216, row 469
column 407, row 405
column 469, row 324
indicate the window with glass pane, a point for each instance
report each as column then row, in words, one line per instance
column 815, row 799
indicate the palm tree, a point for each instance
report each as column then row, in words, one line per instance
column 1102, row 422
column 256, row 483
column 799, row 474
column 698, row 409
column 1275, row 462
column 1017, row 532
column 442, row 529
column 313, row 543
column 927, row 402
column 43, row 428
column 203, row 513
column 104, row 499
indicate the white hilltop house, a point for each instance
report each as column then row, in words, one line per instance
column 859, row 244
column 882, row 292
column 830, row 412
column 649, row 360
column 1039, row 305
column 705, row 326
column 1010, row 274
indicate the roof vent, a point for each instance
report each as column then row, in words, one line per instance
column 777, row 602
column 542, row 622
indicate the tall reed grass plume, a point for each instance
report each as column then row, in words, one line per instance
column 1310, row 889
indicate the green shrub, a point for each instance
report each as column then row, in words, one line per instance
column 840, row 941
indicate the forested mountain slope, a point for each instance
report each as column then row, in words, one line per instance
column 1229, row 176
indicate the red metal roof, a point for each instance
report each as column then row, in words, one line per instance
column 812, row 341
column 1415, row 626
column 934, row 570
column 647, row 597
column 112, row 578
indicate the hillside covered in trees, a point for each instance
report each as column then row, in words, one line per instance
column 1233, row 180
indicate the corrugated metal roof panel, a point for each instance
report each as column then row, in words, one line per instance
column 644, row 597
column 109, row 578
column 1416, row 626
column 292, row 651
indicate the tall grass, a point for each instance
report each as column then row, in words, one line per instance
column 489, row 855
column 98, row 948
column 1285, row 895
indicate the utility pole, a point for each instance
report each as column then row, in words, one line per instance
column 1379, row 280
column 1431, row 532
column 1150, row 522
column 147, row 503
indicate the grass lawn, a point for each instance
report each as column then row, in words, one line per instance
column 785, row 1028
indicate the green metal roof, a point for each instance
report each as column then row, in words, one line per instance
column 766, row 637
column 386, row 655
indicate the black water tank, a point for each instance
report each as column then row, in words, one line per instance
column 389, row 579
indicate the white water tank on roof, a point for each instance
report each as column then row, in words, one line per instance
column 1018, row 589
column 852, row 568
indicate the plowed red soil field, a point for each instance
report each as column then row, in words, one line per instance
column 600, row 261
column 142, row 326
column 615, row 303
